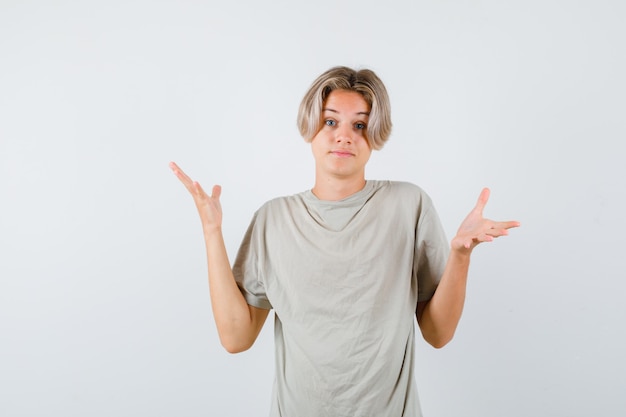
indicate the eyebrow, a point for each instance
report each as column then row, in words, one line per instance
column 366, row 113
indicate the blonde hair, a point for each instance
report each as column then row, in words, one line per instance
column 364, row 82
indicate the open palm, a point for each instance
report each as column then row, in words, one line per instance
column 475, row 229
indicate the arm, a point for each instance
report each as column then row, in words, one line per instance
column 238, row 324
column 439, row 317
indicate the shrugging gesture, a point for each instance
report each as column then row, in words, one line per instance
column 238, row 324
column 209, row 207
column 475, row 229
column 439, row 317
column 336, row 291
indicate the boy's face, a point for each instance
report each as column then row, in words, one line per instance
column 340, row 148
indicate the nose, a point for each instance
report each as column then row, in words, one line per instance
column 343, row 134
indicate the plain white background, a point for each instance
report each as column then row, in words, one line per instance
column 104, row 307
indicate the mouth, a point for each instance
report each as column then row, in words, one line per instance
column 342, row 153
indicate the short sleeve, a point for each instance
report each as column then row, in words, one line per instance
column 248, row 266
column 431, row 250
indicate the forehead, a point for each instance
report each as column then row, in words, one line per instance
column 344, row 101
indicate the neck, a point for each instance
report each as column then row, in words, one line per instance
column 334, row 189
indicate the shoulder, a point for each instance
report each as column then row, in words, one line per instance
column 402, row 189
column 404, row 197
column 405, row 186
column 280, row 205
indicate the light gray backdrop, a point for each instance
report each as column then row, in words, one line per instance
column 104, row 307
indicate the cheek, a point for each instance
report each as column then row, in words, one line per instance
column 363, row 150
column 316, row 146
column 365, row 144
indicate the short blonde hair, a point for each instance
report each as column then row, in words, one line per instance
column 364, row 82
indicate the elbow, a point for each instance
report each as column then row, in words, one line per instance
column 437, row 336
column 235, row 346
column 438, row 344
column 233, row 349
column 439, row 341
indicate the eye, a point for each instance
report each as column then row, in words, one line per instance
column 330, row 122
column 359, row 126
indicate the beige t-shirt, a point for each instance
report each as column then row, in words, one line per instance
column 344, row 278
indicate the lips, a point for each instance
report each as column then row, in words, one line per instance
column 342, row 153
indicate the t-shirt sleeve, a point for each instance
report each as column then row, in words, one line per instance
column 248, row 268
column 431, row 251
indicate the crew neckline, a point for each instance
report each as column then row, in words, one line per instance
column 367, row 188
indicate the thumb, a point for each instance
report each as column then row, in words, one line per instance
column 217, row 191
column 482, row 200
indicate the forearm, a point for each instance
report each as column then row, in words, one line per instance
column 439, row 318
column 238, row 324
column 235, row 324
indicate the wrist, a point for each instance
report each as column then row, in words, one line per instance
column 211, row 230
column 460, row 253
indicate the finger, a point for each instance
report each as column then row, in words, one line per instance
column 487, row 238
column 217, row 192
column 184, row 178
column 501, row 228
column 197, row 188
column 175, row 167
column 482, row 200
column 497, row 232
column 506, row 225
column 484, row 237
